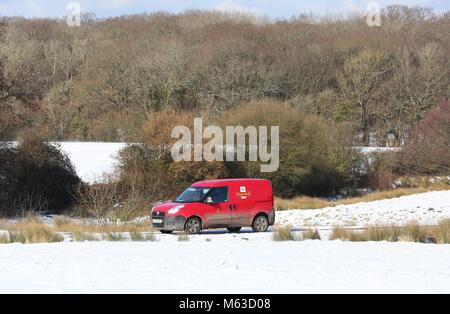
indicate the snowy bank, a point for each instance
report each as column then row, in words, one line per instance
column 426, row 209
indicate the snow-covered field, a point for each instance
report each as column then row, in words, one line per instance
column 225, row 264
column 426, row 209
column 219, row 262
column 92, row 161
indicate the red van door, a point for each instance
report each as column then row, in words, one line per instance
column 241, row 204
column 219, row 207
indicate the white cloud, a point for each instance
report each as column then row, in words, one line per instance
column 231, row 7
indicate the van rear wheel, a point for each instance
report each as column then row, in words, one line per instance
column 234, row 229
column 193, row 226
column 260, row 224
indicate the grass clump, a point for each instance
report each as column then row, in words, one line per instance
column 114, row 237
column 183, row 237
column 83, row 237
column 30, row 231
column 4, row 239
column 339, row 233
column 283, row 233
column 378, row 234
column 311, row 234
column 304, row 202
column 413, row 232
column 442, row 232
column 142, row 237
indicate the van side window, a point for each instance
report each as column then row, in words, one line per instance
column 219, row 195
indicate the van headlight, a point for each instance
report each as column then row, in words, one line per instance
column 175, row 209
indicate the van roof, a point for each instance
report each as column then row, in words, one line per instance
column 225, row 181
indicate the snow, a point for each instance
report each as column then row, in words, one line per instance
column 225, row 264
column 371, row 150
column 425, row 209
column 219, row 262
column 95, row 160
column 92, row 161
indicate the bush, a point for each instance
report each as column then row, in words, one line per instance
column 428, row 151
column 316, row 158
column 110, row 203
column 149, row 167
column 380, row 173
column 35, row 176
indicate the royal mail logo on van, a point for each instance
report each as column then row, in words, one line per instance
column 243, row 194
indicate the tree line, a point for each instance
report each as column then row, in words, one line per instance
column 105, row 79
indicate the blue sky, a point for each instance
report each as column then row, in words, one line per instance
column 271, row 8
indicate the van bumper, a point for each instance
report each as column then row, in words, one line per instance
column 272, row 217
column 171, row 223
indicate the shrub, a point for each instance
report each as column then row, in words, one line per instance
column 428, row 151
column 35, row 176
column 380, row 173
column 149, row 167
column 315, row 158
column 110, row 202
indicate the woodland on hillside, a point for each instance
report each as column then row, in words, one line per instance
column 105, row 79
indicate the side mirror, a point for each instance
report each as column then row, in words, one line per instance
column 209, row 200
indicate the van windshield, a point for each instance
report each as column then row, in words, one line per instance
column 193, row 195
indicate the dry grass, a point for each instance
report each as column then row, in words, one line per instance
column 71, row 226
column 84, row 237
column 340, row 233
column 283, row 233
column 311, row 234
column 442, row 232
column 301, row 202
column 4, row 239
column 412, row 232
column 142, row 237
column 33, row 230
column 183, row 237
column 114, row 237
column 29, row 231
column 304, row 202
column 378, row 234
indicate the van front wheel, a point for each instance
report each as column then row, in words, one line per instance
column 193, row 226
column 260, row 224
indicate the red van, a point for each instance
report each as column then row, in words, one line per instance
column 231, row 204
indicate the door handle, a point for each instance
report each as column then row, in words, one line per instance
column 230, row 207
column 234, row 207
